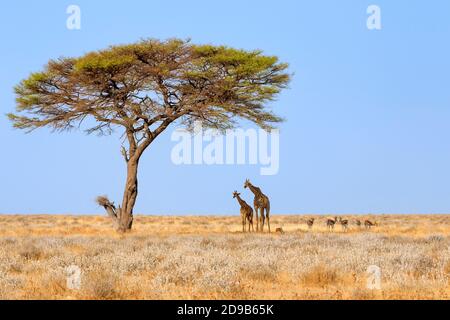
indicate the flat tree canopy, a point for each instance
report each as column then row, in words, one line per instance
column 143, row 88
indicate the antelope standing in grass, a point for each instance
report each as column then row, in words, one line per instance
column 246, row 212
column 310, row 223
column 358, row 223
column 331, row 222
column 369, row 224
column 344, row 224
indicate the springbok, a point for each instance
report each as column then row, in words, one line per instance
column 369, row 224
column 310, row 223
column 358, row 223
column 331, row 222
column 344, row 224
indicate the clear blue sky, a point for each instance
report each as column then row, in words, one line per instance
column 368, row 112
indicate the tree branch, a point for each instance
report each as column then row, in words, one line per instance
column 125, row 154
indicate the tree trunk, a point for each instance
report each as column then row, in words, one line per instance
column 123, row 216
column 129, row 197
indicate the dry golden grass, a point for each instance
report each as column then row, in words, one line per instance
column 209, row 258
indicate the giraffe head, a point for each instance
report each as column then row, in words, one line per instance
column 247, row 184
column 236, row 194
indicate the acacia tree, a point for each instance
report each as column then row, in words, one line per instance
column 142, row 89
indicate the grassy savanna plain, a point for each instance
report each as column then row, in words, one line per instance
column 210, row 258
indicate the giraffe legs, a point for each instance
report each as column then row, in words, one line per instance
column 263, row 218
column 268, row 216
column 257, row 219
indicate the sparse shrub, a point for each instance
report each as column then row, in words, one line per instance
column 217, row 281
column 447, row 270
column 10, row 286
column 436, row 238
column 423, row 267
column 363, row 294
column 16, row 267
column 321, row 276
column 101, row 286
column 205, row 243
column 29, row 251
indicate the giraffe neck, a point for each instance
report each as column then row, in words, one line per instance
column 241, row 202
column 256, row 191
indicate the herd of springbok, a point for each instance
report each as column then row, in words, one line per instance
column 262, row 205
column 331, row 222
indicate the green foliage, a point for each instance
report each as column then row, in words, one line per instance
column 149, row 83
column 106, row 61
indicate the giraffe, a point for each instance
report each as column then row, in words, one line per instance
column 261, row 203
column 246, row 212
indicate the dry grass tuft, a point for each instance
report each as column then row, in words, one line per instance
column 29, row 251
column 101, row 286
column 321, row 276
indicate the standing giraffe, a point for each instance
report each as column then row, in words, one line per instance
column 246, row 212
column 261, row 203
